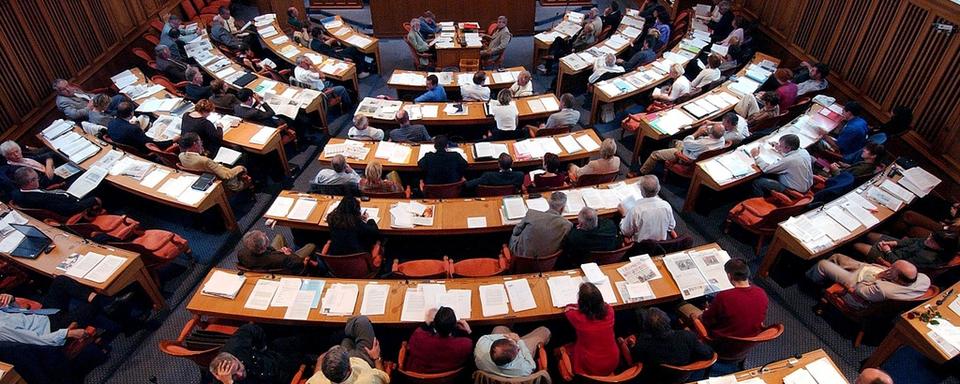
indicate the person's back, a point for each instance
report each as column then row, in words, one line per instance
column 429, row 352
column 442, row 167
column 124, row 132
column 737, row 312
column 539, row 234
column 409, row 133
column 605, row 237
column 595, row 351
column 249, row 344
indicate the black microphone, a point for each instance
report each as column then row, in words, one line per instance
column 760, row 370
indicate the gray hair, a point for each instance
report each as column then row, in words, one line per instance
column 504, row 18
column 716, row 131
column 159, row 49
column 649, row 185
column 302, row 59
column 608, row 148
column 360, row 121
column 255, row 240
column 59, row 83
column 8, row 146
column 587, row 218
column 336, row 364
column 557, row 201
column 191, row 72
column 339, row 163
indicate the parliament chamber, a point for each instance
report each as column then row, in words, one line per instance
column 524, row 191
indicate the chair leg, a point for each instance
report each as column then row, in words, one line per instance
column 759, row 245
column 857, row 340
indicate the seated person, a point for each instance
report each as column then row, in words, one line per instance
column 496, row 43
column 523, row 87
column 915, row 224
column 794, row 171
column 221, row 97
column 737, row 25
column 595, row 351
column 434, row 93
column 706, row 138
column 506, row 115
column 172, row 35
column 221, row 32
column 476, row 91
column 293, row 19
column 195, row 89
column 553, row 174
column 585, row 38
column 257, row 253
column 852, row 136
column 408, row 133
column 428, row 24
column 196, row 122
column 252, row 108
column 39, row 327
column 607, row 163
column 786, row 89
column 249, row 357
column 605, row 67
column 74, row 103
column 768, row 107
column 15, row 159
column 709, row 74
column 356, row 360
column 566, row 116
column 56, row 201
column 650, row 218
column 169, row 66
column 306, row 73
column 737, row 312
column 899, row 123
column 590, row 234
column 441, row 344
column 873, row 376
column 506, row 354
column 658, row 343
column 662, row 24
column 541, row 233
column 192, row 158
column 612, row 16
column 595, row 21
column 339, row 173
column 122, row 131
column 351, row 231
column 416, row 40
column 644, row 56
column 442, row 166
column 679, row 88
column 870, row 283
column 325, row 46
column 816, row 79
column 98, row 110
column 505, row 176
column 871, row 162
column 373, row 180
column 926, row 252
column 361, row 130
column 735, row 128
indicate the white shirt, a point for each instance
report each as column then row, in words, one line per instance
column 328, row 176
column 738, row 33
column 504, row 115
column 600, row 68
column 694, row 147
column 517, row 90
column 650, row 218
column 742, row 131
column 811, row 86
column 309, row 78
column 681, row 86
column 794, row 171
column 474, row 92
column 369, row 133
column 706, row 76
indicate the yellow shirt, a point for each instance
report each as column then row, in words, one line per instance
column 361, row 373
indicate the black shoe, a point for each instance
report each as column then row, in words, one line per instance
column 120, row 305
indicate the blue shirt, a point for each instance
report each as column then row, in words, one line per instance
column 29, row 329
column 435, row 94
column 521, row 366
column 853, row 136
column 664, row 32
column 427, row 29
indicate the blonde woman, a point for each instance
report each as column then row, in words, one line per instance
column 373, row 180
column 679, row 88
column 608, row 162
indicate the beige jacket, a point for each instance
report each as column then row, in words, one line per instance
column 201, row 163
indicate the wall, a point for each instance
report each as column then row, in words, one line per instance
column 884, row 53
column 41, row 40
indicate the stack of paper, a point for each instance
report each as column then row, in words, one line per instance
column 96, row 267
column 806, row 232
column 409, row 214
column 302, row 209
column 595, row 276
column 514, row 207
column 374, row 299
column 223, row 284
column 340, row 300
column 564, row 289
column 281, row 205
column 493, row 300
column 640, row 269
column 262, row 294
column 919, row 181
column 698, row 273
column 87, row 182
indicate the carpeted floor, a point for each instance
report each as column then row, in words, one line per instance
column 137, row 359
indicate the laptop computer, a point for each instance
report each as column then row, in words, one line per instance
column 34, row 243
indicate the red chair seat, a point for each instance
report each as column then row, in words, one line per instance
column 422, row 269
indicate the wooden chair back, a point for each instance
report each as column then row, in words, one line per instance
column 608, row 257
column 483, row 266
column 168, row 157
column 543, row 132
column 448, row 377
column 523, row 264
column 361, row 265
column 596, row 178
column 443, row 191
column 495, row 190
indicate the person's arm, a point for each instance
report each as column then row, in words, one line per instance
column 709, row 316
column 72, row 112
column 700, row 350
column 26, row 336
column 424, row 97
column 222, row 172
column 627, row 226
column 778, row 167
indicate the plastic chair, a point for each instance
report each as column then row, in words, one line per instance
column 608, row 257
column 199, row 341
column 448, row 377
column 422, row 269
column 495, row 190
column 627, row 374
column 872, row 314
column 596, row 178
column 175, row 89
column 523, row 264
column 762, row 215
column 735, row 349
column 189, row 11
column 442, row 191
column 483, row 266
column 157, row 246
column 362, row 265
column 681, row 373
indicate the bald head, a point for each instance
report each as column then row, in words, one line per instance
column 716, row 131
column 873, row 376
column 504, row 351
column 906, row 272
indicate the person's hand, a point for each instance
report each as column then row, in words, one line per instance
column 886, row 246
column 286, row 250
column 833, row 167
column 431, row 313
column 76, row 333
column 224, row 371
column 850, row 288
column 755, row 152
column 570, row 307
column 374, row 352
column 512, row 337
column 364, row 216
column 5, row 299
column 463, row 326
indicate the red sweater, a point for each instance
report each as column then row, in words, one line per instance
column 595, row 352
column 738, row 312
column 428, row 352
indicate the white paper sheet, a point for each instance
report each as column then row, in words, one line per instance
column 493, row 300
column 520, row 295
column 262, row 294
column 374, row 299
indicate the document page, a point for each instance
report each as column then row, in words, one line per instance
column 520, row 295
column 374, row 299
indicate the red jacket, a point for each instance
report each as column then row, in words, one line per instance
column 738, row 312
column 595, row 352
column 428, row 352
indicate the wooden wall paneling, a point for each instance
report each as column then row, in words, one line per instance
column 806, row 25
column 825, row 33
column 939, row 102
column 851, row 29
column 875, row 34
column 890, row 64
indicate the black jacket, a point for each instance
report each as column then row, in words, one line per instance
column 442, row 167
column 58, row 202
column 514, row 178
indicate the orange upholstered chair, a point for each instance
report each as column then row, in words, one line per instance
column 422, row 269
column 363, row 265
column 875, row 311
column 483, row 266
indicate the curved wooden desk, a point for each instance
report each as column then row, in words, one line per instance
column 66, row 244
column 774, row 372
column 451, row 56
column 410, row 165
column 474, row 116
column 452, row 84
column 215, row 194
column 648, row 122
column 910, row 331
column 238, row 136
column 566, row 69
column 543, row 40
column 344, row 33
column 664, row 288
column 450, row 215
column 287, row 49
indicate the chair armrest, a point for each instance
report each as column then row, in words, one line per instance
column 564, row 365
column 298, row 377
column 447, row 266
column 506, row 258
column 326, row 248
column 396, row 266
column 541, row 358
column 376, row 252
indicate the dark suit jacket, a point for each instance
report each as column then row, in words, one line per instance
column 346, row 241
column 539, row 234
column 605, row 237
column 264, row 116
column 442, row 167
column 196, row 92
column 124, row 132
column 57, row 201
column 211, row 136
column 271, row 259
column 172, row 68
column 514, row 178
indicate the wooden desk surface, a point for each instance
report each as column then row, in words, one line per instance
column 539, row 44
column 472, row 163
column 567, row 70
column 454, row 84
column 344, row 74
column 450, row 215
column 238, row 136
column 916, row 333
column 474, row 115
column 214, row 194
column 9, row 375
column 664, row 288
column 776, row 371
column 660, row 78
column 344, row 32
